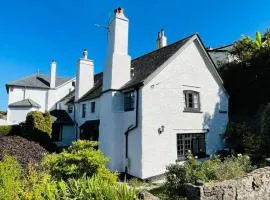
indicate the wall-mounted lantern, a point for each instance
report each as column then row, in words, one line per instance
column 161, row 129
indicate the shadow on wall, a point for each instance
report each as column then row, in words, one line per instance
column 216, row 123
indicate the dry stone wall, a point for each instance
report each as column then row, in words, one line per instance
column 253, row 186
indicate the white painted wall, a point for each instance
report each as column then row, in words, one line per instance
column 84, row 77
column 68, row 136
column 163, row 104
column 117, row 67
column 18, row 115
column 54, row 95
column 46, row 98
column 19, row 93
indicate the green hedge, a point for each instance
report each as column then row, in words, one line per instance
column 9, row 130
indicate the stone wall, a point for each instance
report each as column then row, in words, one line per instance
column 253, row 186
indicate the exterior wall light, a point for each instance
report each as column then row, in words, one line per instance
column 161, row 129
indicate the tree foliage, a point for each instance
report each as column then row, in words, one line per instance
column 247, row 78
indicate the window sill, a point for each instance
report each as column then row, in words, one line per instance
column 192, row 111
column 128, row 110
column 201, row 156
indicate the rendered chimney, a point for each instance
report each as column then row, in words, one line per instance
column 117, row 68
column 53, row 74
column 84, row 76
column 161, row 40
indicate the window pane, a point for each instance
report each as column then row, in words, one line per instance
column 129, row 101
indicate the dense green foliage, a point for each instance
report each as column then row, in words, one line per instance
column 9, row 130
column 37, row 183
column 38, row 127
column 247, row 79
column 214, row 169
column 81, row 158
column 10, row 178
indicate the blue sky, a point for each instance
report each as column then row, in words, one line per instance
column 35, row 32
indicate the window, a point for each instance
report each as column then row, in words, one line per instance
column 129, row 101
column 57, row 132
column 70, row 108
column 194, row 142
column 192, row 101
column 83, row 110
column 93, row 107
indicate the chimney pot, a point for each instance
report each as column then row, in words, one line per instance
column 85, row 54
column 161, row 40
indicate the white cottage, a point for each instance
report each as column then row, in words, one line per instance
column 149, row 111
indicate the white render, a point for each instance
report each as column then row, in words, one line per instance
column 53, row 74
column 164, row 104
column 68, row 136
column 84, row 77
column 115, row 77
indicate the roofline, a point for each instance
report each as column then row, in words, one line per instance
column 161, row 67
column 11, row 84
column 219, row 49
column 72, row 79
column 190, row 36
column 213, row 63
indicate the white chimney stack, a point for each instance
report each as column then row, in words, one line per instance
column 53, row 74
column 84, row 76
column 161, row 40
column 117, row 68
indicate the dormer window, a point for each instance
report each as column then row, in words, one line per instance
column 129, row 101
column 192, row 101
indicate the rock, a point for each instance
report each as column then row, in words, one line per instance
column 145, row 195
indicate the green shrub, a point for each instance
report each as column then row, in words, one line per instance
column 35, row 184
column 213, row 169
column 38, row 127
column 81, row 158
column 9, row 130
column 10, row 178
column 95, row 188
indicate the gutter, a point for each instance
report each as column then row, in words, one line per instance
column 132, row 127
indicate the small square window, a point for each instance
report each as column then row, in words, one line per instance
column 83, row 110
column 192, row 101
column 70, row 108
column 93, row 107
column 129, row 101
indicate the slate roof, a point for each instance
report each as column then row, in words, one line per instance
column 96, row 90
column 142, row 67
column 37, row 81
column 61, row 117
column 25, row 103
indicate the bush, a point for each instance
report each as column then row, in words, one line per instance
column 9, row 130
column 38, row 127
column 80, row 159
column 34, row 184
column 23, row 150
column 10, row 178
column 211, row 170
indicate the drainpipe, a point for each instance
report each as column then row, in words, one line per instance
column 132, row 127
column 76, row 125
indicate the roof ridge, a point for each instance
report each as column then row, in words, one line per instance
column 165, row 46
